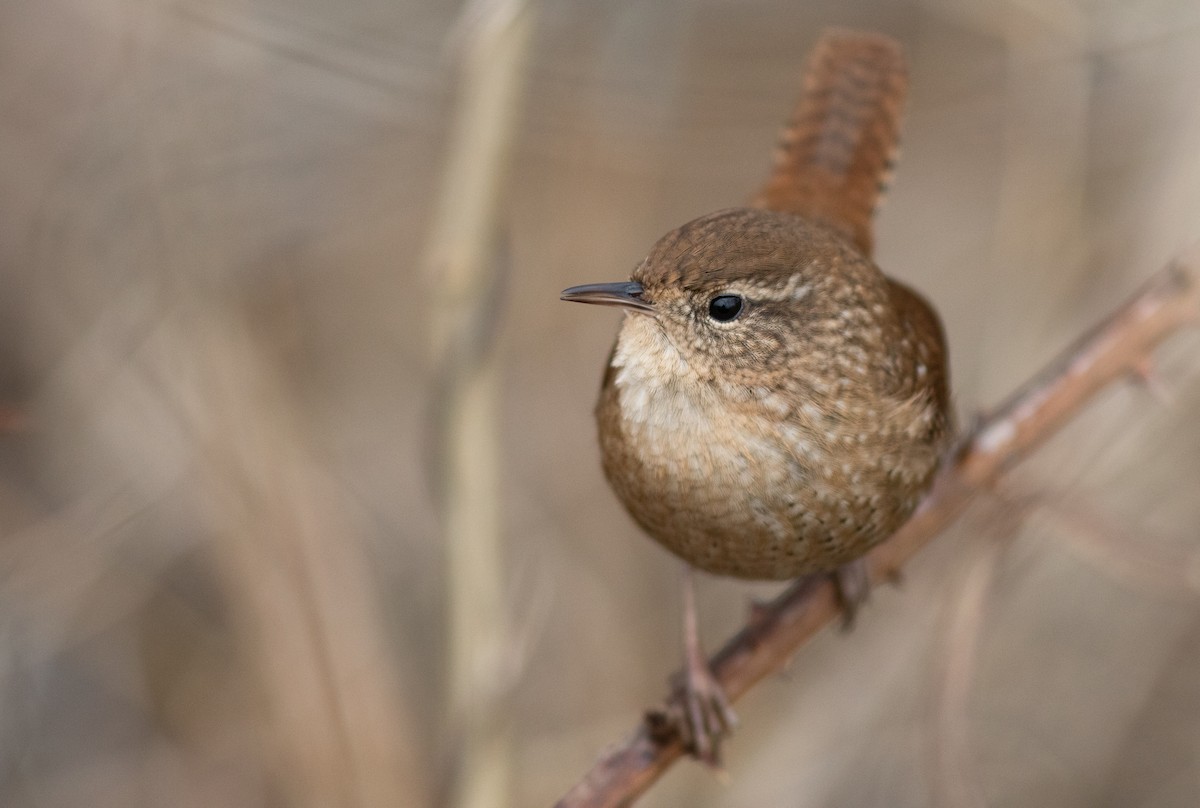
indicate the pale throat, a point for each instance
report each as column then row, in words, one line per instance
column 692, row 446
column 671, row 409
column 657, row 388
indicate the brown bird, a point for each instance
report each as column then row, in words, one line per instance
column 775, row 406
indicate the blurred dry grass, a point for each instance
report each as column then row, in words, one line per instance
column 221, row 582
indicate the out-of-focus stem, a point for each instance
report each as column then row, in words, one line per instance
column 460, row 264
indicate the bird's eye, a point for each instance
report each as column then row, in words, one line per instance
column 724, row 308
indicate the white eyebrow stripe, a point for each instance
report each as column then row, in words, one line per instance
column 794, row 290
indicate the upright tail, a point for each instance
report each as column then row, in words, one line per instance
column 835, row 158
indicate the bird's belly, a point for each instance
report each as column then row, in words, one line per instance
column 740, row 497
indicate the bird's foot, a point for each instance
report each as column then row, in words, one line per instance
column 708, row 717
column 853, row 586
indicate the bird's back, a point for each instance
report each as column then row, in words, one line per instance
column 834, row 163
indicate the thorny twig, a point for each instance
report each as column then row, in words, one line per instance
column 1115, row 348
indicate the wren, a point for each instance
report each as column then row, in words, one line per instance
column 775, row 406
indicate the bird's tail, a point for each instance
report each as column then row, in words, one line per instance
column 836, row 155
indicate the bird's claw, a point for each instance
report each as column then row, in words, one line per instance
column 853, row 585
column 707, row 718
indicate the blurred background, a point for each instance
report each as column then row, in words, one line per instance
column 293, row 512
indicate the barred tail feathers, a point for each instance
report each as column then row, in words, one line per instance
column 836, row 155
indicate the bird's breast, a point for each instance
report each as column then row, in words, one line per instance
column 737, row 484
column 705, row 478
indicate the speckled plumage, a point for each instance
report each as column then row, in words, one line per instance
column 800, row 434
column 792, row 439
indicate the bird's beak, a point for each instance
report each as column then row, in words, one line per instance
column 627, row 294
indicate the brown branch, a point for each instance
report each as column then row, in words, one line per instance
column 1117, row 347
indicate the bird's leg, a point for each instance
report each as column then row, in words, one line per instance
column 853, row 586
column 708, row 718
